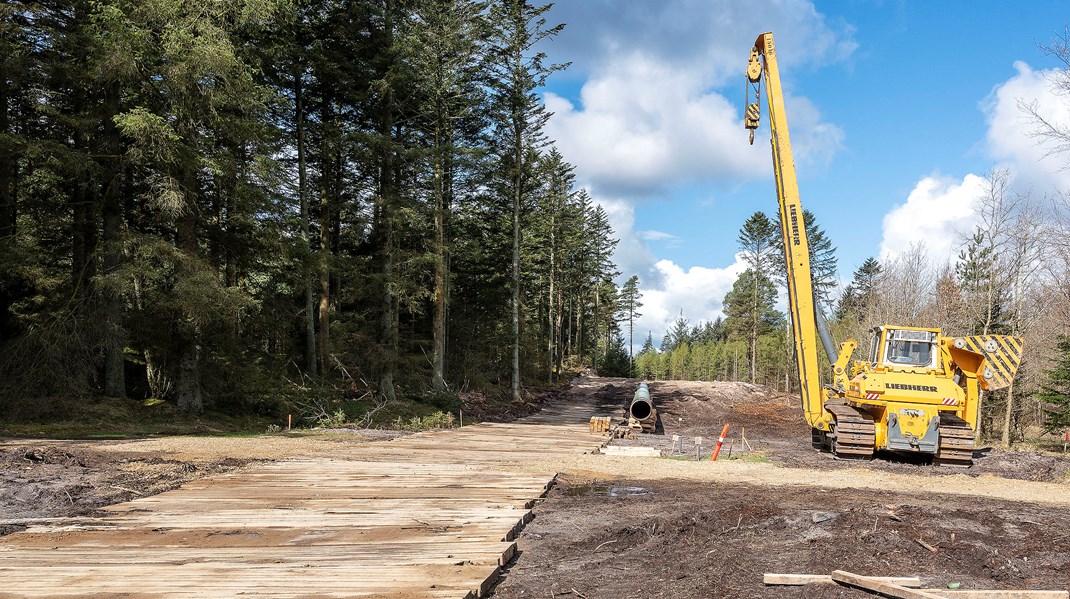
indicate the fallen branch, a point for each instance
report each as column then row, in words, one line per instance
column 926, row 545
column 118, row 488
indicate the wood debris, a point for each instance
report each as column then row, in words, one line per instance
column 906, row 587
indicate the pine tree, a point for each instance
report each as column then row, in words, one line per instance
column 445, row 47
column 758, row 239
column 1055, row 391
column 750, row 319
column 679, row 334
column 859, row 292
column 518, row 117
column 823, row 262
column 629, row 297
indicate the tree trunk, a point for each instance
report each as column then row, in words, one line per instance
column 326, row 164
column 550, row 316
column 559, row 329
column 1008, row 416
column 388, row 330
column 188, row 385
column 302, row 193
column 517, row 181
column 115, row 336
column 9, row 176
column 84, row 240
column 9, row 168
column 438, row 358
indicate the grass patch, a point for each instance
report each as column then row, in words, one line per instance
column 760, row 457
column 111, row 418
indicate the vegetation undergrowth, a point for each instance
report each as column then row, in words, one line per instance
column 111, row 418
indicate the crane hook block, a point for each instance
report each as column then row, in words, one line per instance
column 754, row 113
column 754, row 66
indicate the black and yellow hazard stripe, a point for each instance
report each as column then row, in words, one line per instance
column 1003, row 354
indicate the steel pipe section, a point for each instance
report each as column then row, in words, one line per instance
column 642, row 408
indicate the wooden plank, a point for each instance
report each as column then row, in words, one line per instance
column 401, row 518
column 804, row 579
column 643, row 452
column 998, row 594
column 878, row 586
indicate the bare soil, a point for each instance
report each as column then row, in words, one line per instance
column 679, row 539
column 48, row 480
column 654, row 527
column 776, row 431
column 619, row 527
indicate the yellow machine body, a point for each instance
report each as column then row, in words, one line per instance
column 917, row 391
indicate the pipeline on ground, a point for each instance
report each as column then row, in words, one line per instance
column 641, row 411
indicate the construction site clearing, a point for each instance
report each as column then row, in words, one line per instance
column 537, row 508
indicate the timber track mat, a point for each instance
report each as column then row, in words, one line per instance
column 426, row 515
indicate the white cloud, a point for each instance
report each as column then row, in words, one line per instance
column 710, row 36
column 697, row 291
column 632, row 256
column 644, row 127
column 937, row 212
column 655, row 235
column 1011, row 136
column 659, row 109
column 666, row 287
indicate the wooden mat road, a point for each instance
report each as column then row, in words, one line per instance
column 427, row 515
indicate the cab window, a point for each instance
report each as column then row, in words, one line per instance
column 908, row 353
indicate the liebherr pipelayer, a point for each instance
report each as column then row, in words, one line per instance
column 918, row 391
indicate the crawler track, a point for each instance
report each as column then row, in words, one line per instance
column 853, row 435
column 956, row 442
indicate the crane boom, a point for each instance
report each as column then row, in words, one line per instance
column 919, row 391
column 792, row 227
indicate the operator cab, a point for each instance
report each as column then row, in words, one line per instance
column 904, row 348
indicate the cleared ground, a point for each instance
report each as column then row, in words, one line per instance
column 660, row 527
column 657, row 527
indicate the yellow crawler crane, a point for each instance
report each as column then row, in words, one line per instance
column 918, row 391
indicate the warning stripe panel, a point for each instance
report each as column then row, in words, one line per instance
column 1002, row 354
column 1001, row 361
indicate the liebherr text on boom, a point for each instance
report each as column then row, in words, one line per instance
column 918, row 391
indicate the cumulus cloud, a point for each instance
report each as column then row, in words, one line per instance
column 1011, row 134
column 666, row 287
column 697, row 291
column 938, row 211
column 644, row 127
column 710, row 36
column 653, row 107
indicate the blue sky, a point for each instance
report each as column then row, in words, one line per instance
column 897, row 110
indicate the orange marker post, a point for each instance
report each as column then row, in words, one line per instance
column 720, row 441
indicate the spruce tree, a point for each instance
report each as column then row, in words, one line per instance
column 516, row 70
column 630, row 304
column 1055, row 391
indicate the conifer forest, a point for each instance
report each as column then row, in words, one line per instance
column 234, row 206
column 221, row 204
